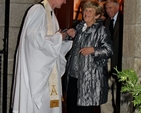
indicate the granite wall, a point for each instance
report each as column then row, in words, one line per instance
column 131, row 45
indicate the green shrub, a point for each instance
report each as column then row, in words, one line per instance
column 131, row 84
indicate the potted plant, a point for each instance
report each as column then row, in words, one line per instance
column 130, row 84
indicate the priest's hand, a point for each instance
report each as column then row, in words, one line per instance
column 64, row 34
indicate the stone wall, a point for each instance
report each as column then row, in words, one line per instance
column 132, row 35
column 2, row 10
column 131, row 44
column 2, row 7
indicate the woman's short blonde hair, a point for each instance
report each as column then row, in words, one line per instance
column 93, row 4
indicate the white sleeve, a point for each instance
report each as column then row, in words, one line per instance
column 36, row 28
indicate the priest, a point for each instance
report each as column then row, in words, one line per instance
column 40, row 61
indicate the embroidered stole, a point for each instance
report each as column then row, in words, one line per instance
column 48, row 16
column 53, row 84
column 53, row 79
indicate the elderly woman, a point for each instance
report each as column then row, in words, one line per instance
column 87, row 63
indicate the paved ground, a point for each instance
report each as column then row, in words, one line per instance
column 108, row 107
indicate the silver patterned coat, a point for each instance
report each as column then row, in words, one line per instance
column 91, row 70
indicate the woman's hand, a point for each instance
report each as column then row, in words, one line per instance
column 71, row 32
column 86, row 50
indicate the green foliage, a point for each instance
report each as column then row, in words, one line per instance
column 131, row 84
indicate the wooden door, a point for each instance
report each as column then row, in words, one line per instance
column 65, row 14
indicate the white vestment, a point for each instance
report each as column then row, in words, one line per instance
column 36, row 55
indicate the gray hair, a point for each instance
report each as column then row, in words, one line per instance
column 93, row 4
column 116, row 2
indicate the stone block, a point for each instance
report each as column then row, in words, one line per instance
column 137, row 42
column 138, row 12
column 1, row 37
column 10, row 66
column 2, row 1
column 2, row 14
column 127, row 62
column 138, row 67
column 23, row 1
column 13, row 38
column 128, row 14
column 17, row 13
column 129, row 40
